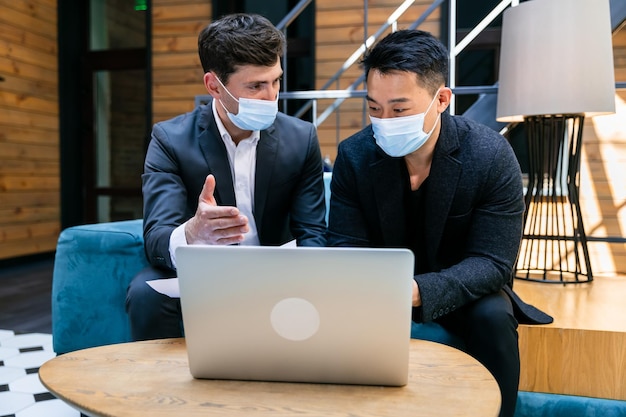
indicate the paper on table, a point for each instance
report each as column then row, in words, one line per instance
column 169, row 286
column 166, row 286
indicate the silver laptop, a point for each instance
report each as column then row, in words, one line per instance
column 321, row 315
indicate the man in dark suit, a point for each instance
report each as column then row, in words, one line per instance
column 445, row 187
column 234, row 171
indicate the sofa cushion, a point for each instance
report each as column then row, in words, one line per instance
column 537, row 404
column 92, row 269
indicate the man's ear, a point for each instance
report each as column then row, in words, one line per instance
column 211, row 84
column 444, row 97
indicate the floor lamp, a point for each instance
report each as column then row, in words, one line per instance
column 556, row 68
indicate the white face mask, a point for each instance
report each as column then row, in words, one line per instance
column 400, row 136
column 253, row 114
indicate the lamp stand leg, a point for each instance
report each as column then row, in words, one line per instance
column 554, row 245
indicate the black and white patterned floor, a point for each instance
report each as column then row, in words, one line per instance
column 21, row 392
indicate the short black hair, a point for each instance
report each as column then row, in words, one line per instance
column 239, row 39
column 414, row 51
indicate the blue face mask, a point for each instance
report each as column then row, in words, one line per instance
column 253, row 114
column 400, row 136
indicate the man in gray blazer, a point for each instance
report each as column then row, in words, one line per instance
column 234, row 171
column 445, row 187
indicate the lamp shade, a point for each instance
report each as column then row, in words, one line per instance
column 556, row 58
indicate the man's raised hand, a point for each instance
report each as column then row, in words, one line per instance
column 213, row 224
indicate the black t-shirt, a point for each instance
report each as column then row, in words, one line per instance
column 414, row 202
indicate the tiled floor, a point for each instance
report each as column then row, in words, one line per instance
column 21, row 392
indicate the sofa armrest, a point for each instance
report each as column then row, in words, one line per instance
column 92, row 268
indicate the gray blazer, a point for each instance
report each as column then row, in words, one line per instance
column 474, row 212
column 289, row 189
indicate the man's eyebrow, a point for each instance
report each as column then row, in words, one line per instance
column 252, row 82
column 392, row 101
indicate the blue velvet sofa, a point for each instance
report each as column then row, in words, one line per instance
column 94, row 264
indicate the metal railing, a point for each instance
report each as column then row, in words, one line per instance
column 352, row 91
column 454, row 48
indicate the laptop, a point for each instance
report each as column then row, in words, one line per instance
column 297, row 314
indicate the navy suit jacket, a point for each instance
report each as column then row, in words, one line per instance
column 473, row 212
column 289, row 188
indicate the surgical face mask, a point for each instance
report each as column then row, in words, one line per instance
column 253, row 114
column 400, row 136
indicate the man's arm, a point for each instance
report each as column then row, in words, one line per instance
column 491, row 244
column 164, row 195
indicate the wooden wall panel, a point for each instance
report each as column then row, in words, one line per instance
column 29, row 128
column 176, row 70
column 339, row 33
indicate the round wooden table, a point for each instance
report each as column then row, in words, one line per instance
column 152, row 379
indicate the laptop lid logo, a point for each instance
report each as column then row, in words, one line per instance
column 295, row 319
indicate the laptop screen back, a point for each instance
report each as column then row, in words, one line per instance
column 326, row 315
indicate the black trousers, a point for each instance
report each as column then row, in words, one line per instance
column 489, row 331
column 152, row 315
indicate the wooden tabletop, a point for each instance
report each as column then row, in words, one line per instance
column 152, row 379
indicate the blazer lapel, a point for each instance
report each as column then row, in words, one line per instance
column 216, row 157
column 444, row 175
column 266, row 152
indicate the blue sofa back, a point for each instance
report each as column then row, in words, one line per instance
column 93, row 266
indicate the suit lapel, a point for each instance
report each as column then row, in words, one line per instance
column 266, row 152
column 216, row 157
column 444, row 176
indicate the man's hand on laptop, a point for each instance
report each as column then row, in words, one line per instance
column 417, row 300
column 213, row 224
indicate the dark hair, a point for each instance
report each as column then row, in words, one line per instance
column 239, row 39
column 411, row 51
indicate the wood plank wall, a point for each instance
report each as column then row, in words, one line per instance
column 176, row 70
column 29, row 128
